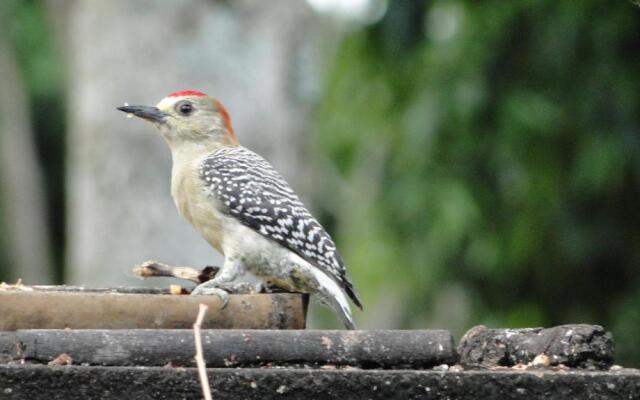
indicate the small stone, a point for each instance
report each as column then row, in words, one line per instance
column 456, row 368
column 441, row 367
column 62, row 359
column 541, row 360
column 175, row 289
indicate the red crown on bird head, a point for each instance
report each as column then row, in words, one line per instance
column 186, row 93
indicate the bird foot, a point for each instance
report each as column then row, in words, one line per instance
column 222, row 290
column 207, row 290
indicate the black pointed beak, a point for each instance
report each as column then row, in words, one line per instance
column 152, row 114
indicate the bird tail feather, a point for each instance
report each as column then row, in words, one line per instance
column 332, row 295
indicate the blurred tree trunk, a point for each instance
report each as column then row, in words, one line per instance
column 258, row 58
column 23, row 206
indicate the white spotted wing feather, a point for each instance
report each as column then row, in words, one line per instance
column 251, row 190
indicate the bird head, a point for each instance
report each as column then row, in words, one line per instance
column 188, row 116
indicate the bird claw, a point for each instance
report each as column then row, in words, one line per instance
column 203, row 290
column 223, row 289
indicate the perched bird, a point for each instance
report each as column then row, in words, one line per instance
column 242, row 206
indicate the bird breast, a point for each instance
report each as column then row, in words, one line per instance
column 189, row 195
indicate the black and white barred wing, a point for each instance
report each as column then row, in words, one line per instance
column 253, row 192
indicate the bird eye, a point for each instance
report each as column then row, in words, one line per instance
column 185, row 108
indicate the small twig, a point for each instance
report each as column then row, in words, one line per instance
column 153, row 268
column 202, row 367
column 15, row 286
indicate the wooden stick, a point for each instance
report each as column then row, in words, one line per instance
column 231, row 348
column 105, row 290
column 104, row 310
column 202, row 367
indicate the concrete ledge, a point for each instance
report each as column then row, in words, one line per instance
column 77, row 382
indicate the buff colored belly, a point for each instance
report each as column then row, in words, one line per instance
column 195, row 206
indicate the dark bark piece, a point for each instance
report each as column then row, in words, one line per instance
column 151, row 268
column 580, row 345
column 37, row 382
column 233, row 348
column 120, row 310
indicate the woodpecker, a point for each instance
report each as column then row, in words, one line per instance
column 244, row 208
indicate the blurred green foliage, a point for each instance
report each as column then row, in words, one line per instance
column 494, row 147
column 29, row 30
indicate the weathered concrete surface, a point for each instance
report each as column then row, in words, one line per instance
column 35, row 382
column 578, row 345
column 233, row 347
